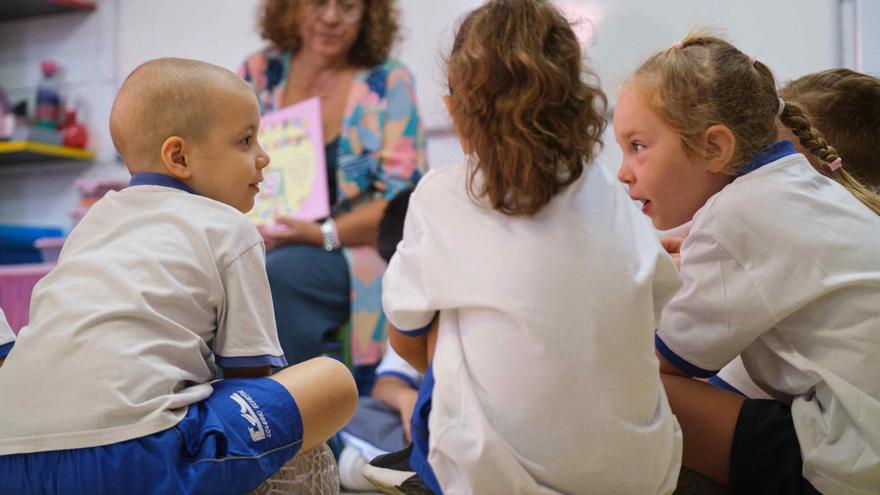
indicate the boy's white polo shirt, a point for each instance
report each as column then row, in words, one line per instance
column 7, row 336
column 782, row 266
column 545, row 375
column 153, row 289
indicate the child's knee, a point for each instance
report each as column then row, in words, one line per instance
column 338, row 378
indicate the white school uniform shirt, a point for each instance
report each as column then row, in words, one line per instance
column 782, row 266
column 152, row 288
column 545, row 375
column 7, row 336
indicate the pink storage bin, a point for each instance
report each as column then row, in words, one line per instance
column 50, row 248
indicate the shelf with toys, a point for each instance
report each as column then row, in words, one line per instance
column 51, row 134
column 35, row 151
column 19, row 9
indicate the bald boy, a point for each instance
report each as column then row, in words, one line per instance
column 113, row 387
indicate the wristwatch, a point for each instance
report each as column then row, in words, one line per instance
column 330, row 236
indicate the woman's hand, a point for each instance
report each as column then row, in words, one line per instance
column 288, row 230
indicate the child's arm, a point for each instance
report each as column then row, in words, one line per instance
column 417, row 350
column 668, row 368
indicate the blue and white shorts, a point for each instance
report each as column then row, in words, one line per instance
column 229, row 443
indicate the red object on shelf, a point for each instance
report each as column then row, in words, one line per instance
column 73, row 133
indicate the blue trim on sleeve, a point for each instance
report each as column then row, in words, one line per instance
column 156, row 179
column 418, row 332
column 250, row 361
column 720, row 383
column 680, row 362
column 5, row 349
column 770, row 154
column 396, row 374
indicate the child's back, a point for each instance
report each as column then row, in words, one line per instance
column 544, row 367
column 143, row 282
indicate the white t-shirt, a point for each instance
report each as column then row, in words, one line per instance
column 783, row 267
column 545, row 375
column 152, row 287
column 7, row 336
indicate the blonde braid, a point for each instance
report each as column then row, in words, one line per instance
column 794, row 118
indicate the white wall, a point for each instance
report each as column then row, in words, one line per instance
column 867, row 39
column 84, row 46
column 97, row 50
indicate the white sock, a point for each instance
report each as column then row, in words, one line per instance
column 351, row 462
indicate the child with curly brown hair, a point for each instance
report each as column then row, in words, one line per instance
column 780, row 267
column 541, row 278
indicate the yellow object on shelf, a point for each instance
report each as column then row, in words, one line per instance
column 33, row 151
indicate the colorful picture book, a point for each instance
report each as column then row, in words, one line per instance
column 295, row 182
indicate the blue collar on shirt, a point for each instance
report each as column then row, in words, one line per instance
column 767, row 155
column 155, row 179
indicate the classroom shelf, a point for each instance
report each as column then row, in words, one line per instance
column 19, row 9
column 32, row 151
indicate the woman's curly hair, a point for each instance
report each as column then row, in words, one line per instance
column 279, row 24
column 520, row 102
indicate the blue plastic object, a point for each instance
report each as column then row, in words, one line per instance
column 17, row 243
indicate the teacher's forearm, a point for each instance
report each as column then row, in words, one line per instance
column 361, row 226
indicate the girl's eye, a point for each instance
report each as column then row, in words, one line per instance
column 247, row 141
column 638, row 147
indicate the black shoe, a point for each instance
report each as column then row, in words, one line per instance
column 391, row 474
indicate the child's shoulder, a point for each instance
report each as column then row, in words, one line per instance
column 216, row 221
column 441, row 181
column 755, row 196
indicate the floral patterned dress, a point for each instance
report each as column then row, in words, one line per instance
column 382, row 140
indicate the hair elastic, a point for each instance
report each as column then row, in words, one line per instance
column 677, row 44
column 836, row 164
column 781, row 107
column 751, row 60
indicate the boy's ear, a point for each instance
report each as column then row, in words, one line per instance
column 720, row 146
column 174, row 159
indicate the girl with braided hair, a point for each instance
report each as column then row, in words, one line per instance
column 780, row 267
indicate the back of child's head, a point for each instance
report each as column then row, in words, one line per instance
column 519, row 101
column 163, row 98
column 845, row 106
column 391, row 225
column 704, row 80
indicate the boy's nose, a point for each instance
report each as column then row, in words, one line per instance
column 263, row 160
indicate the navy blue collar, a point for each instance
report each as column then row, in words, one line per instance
column 156, row 179
column 767, row 155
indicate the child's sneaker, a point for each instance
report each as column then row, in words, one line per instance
column 310, row 473
column 391, row 474
column 351, row 467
